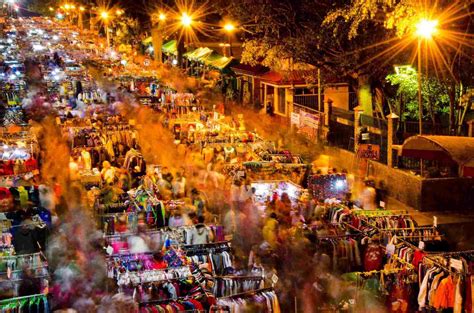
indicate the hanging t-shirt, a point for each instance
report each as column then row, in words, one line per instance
column 373, row 258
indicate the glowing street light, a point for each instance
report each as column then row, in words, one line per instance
column 82, row 9
column 162, row 17
column 425, row 29
column 104, row 15
column 119, row 12
column 229, row 27
column 186, row 20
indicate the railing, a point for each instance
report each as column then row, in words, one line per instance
column 297, row 108
column 413, row 127
column 367, row 120
column 308, row 101
column 341, row 113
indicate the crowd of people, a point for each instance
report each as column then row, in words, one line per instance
column 175, row 207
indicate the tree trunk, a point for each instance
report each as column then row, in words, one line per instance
column 157, row 41
column 452, row 108
column 181, row 50
column 364, row 94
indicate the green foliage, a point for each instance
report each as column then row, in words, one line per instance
column 399, row 15
column 435, row 94
column 127, row 30
column 42, row 6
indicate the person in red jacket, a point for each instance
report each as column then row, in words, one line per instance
column 158, row 262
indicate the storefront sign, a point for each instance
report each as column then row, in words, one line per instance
column 368, row 151
column 295, row 119
column 309, row 120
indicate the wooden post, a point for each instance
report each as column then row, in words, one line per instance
column 157, row 42
column 357, row 112
column 392, row 121
column 470, row 132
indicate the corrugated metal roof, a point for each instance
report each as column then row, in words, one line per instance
column 460, row 149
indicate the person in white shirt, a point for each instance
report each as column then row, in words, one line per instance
column 200, row 234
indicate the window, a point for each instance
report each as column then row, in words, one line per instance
column 282, row 101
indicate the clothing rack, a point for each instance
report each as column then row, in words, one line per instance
column 137, row 276
column 408, row 228
column 454, row 253
column 22, row 255
column 208, row 245
column 386, row 272
column 31, row 268
column 248, row 293
column 206, row 248
column 336, row 236
column 426, row 237
column 18, row 299
column 164, row 301
column 20, row 280
column 380, row 212
column 129, row 255
column 240, row 277
column 440, row 265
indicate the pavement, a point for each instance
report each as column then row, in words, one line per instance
column 425, row 218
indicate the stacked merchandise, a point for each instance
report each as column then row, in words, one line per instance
column 92, row 146
column 332, row 186
column 18, row 155
column 161, row 282
column 166, row 236
column 261, row 300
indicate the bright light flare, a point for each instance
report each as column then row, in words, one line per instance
column 186, row 20
column 229, row 27
column 104, row 15
column 82, row 9
column 426, row 28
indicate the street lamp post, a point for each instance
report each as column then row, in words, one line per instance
column 229, row 28
column 420, row 97
column 425, row 29
column 104, row 15
column 79, row 21
column 186, row 22
column 158, row 21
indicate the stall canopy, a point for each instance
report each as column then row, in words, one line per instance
column 449, row 150
column 199, row 54
column 221, row 63
column 217, row 61
column 170, row 47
